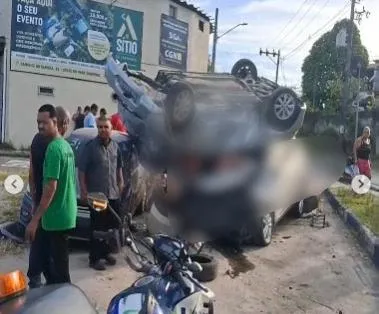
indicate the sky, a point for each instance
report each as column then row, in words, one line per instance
column 289, row 25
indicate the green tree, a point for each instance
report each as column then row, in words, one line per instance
column 323, row 69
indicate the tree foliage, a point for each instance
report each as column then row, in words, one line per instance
column 323, row 69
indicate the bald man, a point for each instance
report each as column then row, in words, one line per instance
column 37, row 157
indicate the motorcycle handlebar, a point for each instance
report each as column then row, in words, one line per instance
column 182, row 282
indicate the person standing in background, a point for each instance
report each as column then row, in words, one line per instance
column 87, row 109
column 57, row 208
column 78, row 118
column 100, row 171
column 103, row 114
column 37, row 157
column 90, row 119
column 362, row 152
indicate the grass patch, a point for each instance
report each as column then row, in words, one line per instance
column 10, row 209
column 365, row 207
column 7, row 146
column 8, row 247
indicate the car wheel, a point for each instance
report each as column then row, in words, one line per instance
column 299, row 209
column 264, row 231
column 245, row 70
column 283, row 109
column 179, row 106
column 304, row 206
column 209, row 267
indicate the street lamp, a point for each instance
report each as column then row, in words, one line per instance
column 216, row 37
column 233, row 28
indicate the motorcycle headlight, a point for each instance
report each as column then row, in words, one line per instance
column 12, row 284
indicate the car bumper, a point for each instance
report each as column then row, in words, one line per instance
column 15, row 231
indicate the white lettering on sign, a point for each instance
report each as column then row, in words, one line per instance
column 174, row 36
column 26, row 1
column 30, row 20
column 45, row 3
column 30, row 10
column 41, row 3
column 173, row 55
column 127, row 46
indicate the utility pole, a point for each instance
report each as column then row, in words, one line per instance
column 215, row 38
column 274, row 54
column 347, row 74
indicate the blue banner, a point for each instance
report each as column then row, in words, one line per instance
column 73, row 38
column 173, row 43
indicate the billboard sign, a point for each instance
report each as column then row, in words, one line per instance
column 173, row 43
column 72, row 38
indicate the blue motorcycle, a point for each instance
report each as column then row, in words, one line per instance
column 168, row 285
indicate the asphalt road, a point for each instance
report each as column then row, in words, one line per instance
column 304, row 270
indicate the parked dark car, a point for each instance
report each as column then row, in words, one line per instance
column 135, row 197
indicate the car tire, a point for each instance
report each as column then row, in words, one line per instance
column 283, row 109
column 264, row 230
column 179, row 115
column 298, row 209
column 245, row 70
column 304, row 206
column 209, row 267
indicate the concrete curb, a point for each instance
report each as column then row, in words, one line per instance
column 368, row 240
column 14, row 153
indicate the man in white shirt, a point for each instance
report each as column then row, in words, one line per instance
column 90, row 119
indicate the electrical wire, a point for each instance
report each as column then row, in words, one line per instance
column 311, row 5
column 332, row 20
column 302, row 29
column 289, row 22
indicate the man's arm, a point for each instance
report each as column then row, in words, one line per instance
column 120, row 174
column 32, row 186
column 51, row 173
column 48, row 193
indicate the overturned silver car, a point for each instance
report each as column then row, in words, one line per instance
column 213, row 134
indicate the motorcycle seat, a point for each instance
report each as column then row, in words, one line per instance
column 53, row 299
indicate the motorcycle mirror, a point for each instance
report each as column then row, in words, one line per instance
column 195, row 267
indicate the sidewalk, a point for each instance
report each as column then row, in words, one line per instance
column 375, row 180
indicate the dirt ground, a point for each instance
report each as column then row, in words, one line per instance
column 304, row 270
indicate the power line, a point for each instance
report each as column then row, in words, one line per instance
column 332, row 20
column 289, row 22
column 302, row 29
column 301, row 19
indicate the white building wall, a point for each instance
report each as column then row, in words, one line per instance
column 22, row 97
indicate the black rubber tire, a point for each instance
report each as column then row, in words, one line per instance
column 309, row 204
column 258, row 235
column 273, row 121
column 238, row 72
column 170, row 104
column 209, row 265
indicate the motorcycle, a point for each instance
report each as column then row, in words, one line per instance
column 168, row 284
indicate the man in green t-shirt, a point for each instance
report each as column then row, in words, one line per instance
column 57, row 208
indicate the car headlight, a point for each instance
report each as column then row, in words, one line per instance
column 12, row 284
